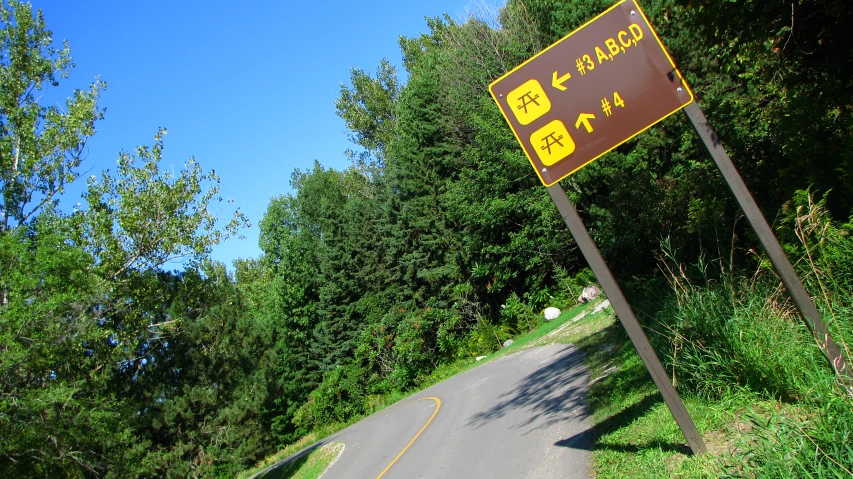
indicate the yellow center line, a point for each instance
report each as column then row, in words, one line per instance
column 437, row 407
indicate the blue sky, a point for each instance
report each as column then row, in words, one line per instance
column 247, row 88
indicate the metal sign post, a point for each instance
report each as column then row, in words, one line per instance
column 774, row 250
column 626, row 316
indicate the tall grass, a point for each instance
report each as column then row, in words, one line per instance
column 733, row 332
column 815, row 440
column 726, row 330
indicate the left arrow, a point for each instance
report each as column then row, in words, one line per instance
column 557, row 82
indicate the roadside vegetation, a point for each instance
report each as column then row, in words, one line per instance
column 436, row 246
column 311, row 465
column 754, row 381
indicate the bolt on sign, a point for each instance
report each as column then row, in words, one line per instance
column 591, row 91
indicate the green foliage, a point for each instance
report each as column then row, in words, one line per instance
column 204, row 391
column 824, row 245
column 570, row 286
column 368, row 108
column 418, row 345
column 103, row 363
column 142, row 217
column 339, row 397
column 56, row 416
column 519, row 315
column 437, row 245
column 40, row 146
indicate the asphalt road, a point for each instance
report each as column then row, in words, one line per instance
column 520, row 416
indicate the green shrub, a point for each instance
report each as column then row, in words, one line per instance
column 339, row 397
column 486, row 338
column 571, row 285
column 406, row 345
column 518, row 315
column 416, row 344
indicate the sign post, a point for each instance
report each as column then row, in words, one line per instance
column 626, row 316
column 811, row 316
column 598, row 87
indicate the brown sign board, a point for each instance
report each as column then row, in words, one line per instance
column 591, row 91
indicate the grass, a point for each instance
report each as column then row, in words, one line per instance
column 635, row 434
column 776, row 411
column 752, row 378
column 305, row 442
column 308, row 466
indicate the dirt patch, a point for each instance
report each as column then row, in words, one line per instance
column 723, row 445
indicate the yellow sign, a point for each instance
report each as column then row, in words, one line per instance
column 530, row 102
column 553, row 142
column 593, row 90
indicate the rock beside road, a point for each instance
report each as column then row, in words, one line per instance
column 551, row 313
column 589, row 293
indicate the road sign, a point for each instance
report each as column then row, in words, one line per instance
column 591, row 91
column 596, row 88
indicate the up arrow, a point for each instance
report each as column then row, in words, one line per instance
column 583, row 119
column 557, row 82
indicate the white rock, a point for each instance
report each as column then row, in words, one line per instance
column 508, row 343
column 551, row 313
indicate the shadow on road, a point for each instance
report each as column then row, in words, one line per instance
column 552, row 394
column 589, row 437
